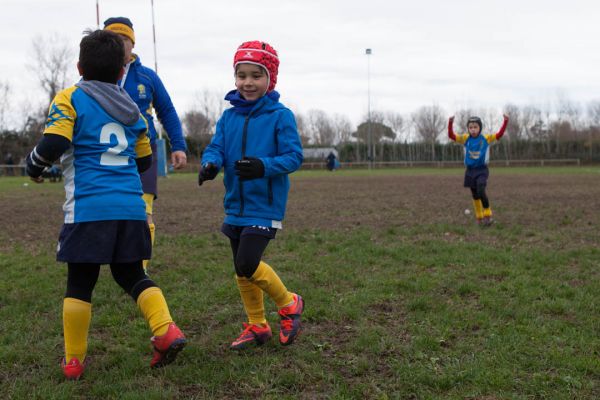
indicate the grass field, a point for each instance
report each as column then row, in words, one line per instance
column 405, row 297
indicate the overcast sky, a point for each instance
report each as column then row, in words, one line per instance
column 458, row 53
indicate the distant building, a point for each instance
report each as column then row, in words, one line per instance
column 318, row 153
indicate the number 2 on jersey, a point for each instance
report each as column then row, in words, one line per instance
column 112, row 156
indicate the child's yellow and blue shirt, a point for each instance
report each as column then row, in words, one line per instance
column 107, row 133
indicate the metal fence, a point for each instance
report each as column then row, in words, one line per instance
column 19, row 170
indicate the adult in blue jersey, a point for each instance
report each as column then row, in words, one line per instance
column 147, row 90
column 101, row 139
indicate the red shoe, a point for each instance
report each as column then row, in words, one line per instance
column 290, row 321
column 252, row 335
column 167, row 346
column 74, row 369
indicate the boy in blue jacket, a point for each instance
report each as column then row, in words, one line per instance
column 257, row 144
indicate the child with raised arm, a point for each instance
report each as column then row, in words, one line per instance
column 477, row 155
column 101, row 138
column 258, row 146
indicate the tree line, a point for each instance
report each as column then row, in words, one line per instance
column 559, row 129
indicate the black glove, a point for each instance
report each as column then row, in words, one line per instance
column 208, row 172
column 249, row 168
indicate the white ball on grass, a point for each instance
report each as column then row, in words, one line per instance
column 467, row 211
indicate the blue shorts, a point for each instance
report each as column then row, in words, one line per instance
column 477, row 176
column 104, row 242
column 150, row 176
column 235, row 232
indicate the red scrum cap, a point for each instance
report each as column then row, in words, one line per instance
column 259, row 53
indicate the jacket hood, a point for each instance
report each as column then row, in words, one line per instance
column 267, row 103
column 113, row 99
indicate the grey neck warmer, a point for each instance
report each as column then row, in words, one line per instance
column 113, row 99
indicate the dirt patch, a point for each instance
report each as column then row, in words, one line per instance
column 538, row 206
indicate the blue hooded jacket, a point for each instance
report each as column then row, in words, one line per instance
column 147, row 90
column 264, row 129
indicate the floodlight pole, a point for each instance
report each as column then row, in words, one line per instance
column 368, row 52
column 97, row 15
column 154, row 38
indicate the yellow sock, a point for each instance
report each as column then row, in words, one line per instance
column 252, row 297
column 77, row 315
column 149, row 200
column 154, row 307
column 478, row 206
column 487, row 212
column 266, row 279
column 152, row 228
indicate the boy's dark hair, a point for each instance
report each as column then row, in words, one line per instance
column 101, row 55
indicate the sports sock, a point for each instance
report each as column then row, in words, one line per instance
column 149, row 200
column 252, row 297
column 478, row 206
column 265, row 278
column 77, row 315
column 487, row 212
column 154, row 307
column 152, row 229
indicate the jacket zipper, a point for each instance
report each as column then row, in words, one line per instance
column 244, row 139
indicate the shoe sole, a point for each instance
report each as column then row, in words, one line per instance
column 249, row 344
column 293, row 338
column 171, row 353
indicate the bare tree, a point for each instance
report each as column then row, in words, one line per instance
column 429, row 122
column 395, row 121
column 514, row 128
column 321, row 128
column 210, row 104
column 4, row 105
column 593, row 113
column 342, row 127
column 302, row 127
column 53, row 63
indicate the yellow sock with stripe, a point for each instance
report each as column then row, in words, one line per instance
column 265, row 278
column 152, row 228
column 149, row 200
column 478, row 206
column 77, row 315
column 154, row 307
column 252, row 297
column 487, row 212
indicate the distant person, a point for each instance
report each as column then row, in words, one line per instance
column 257, row 144
column 477, row 155
column 332, row 162
column 147, row 90
column 9, row 161
column 104, row 138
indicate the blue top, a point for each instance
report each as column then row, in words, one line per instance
column 100, row 173
column 147, row 90
column 264, row 129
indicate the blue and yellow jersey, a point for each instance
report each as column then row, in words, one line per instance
column 477, row 149
column 100, row 173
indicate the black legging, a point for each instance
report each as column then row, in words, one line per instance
column 247, row 252
column 479, row 194
column 82, row 278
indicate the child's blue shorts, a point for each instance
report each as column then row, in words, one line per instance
column 104, row 242
column 476, row 176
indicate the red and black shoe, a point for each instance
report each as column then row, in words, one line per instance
column 290, row 324
column 167, row 346
column 73, row 369
column 252, row 335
